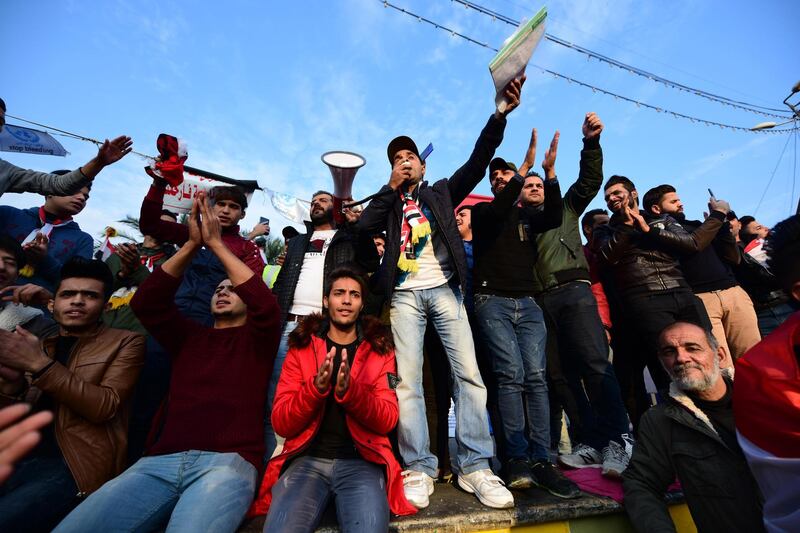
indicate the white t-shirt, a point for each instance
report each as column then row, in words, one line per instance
column 308, row 292
column 434, row 267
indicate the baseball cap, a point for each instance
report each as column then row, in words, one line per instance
column 498, row 163
column 401, row 143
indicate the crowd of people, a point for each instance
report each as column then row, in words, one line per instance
column 182, row 383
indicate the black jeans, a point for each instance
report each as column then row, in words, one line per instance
column 578, row 339
column 38, row 495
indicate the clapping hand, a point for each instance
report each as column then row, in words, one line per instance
column 549, row 163
column 530, row 155
column 343, row 377
column 323, row 379
column 129, row 258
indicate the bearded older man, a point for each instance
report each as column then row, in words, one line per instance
column 692, row 435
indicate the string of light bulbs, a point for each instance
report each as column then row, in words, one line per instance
column 594, row 88
column 753, row 108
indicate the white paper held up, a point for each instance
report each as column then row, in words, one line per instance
column 513, row 57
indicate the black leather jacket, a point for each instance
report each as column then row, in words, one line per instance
column 385, row 212
column 648, row 262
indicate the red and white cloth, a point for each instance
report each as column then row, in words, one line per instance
column 766, row 403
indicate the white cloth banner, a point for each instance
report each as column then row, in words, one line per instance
column 513, row 57
column 179, row 199
column 290, row 207
column 29, row 141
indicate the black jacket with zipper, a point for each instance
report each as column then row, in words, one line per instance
column 384, row 213
column 649, row 262
column 676, row 438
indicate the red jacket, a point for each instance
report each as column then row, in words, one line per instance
column 370, row 404
column 597, row 288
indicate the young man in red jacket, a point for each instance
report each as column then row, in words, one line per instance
column 336, row 403
column 201, row 472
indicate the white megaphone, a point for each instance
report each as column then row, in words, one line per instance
column 343, row 166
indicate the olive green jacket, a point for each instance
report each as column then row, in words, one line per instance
column 561, row 257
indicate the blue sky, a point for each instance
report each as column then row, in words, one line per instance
column 261, row 89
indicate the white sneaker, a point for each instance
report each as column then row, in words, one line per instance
column 616, row 457
column 417, row 486
column 582, row 456
column 489, row 488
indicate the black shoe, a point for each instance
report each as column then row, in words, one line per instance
column 518, row 474
column 549, row 477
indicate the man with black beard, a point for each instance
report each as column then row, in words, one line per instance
column 310, row 258
column 709, row 273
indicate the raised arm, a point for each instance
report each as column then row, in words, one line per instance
column 262, row 306
column 150, row 222
column 466, row 178
column 154, row 301
column 21, row 180
column 590, row 177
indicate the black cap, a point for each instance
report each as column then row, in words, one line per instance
column 498, row 163
column 401, row 143
column 731, row 215
column 289, row 232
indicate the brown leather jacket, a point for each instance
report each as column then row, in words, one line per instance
column 92, row 395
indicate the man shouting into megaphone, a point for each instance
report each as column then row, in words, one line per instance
column 426, row 270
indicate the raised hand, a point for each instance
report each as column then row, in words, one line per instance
column 592, row 127
column 195, row 234
column 530, row 155
column 549, row 163
column 512, row 94
column 323, row 379
column 718, row 205
column 262, row 228
column 210, row 227
column 112, row 151
column 343, row 377
column 401, row 172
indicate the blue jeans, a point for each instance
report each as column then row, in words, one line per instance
column 188, row 491
column 514, row 335
column 269, row 433
column 770, row 318
column 39, row 493
column 409, row 313
column 302, row 492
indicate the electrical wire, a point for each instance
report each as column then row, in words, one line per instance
column 753, row 108
column 594, row 88
column 64, row 133
column 780, row 158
